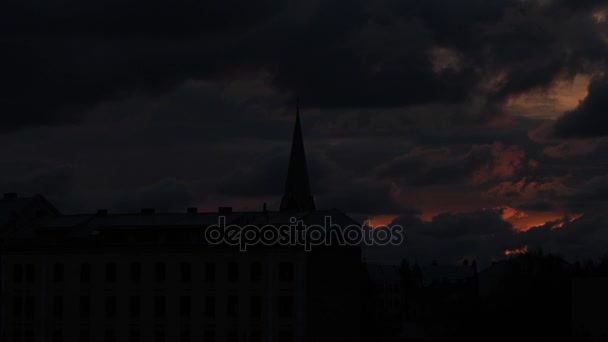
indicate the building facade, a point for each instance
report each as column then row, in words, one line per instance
column 150, row 276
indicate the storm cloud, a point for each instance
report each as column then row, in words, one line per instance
column 445, row 111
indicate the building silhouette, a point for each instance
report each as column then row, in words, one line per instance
column 152, row 276
column 297, row 196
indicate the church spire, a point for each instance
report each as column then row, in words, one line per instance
column 297, row 196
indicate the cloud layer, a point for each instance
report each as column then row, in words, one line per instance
column 407, row 107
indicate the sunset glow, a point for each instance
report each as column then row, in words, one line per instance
column 550, row 103
column 600, row 16
column 518, row 251
column 381, row 220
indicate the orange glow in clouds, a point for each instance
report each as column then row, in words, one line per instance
column 523, row 221
column 550, row 103
column 600, row 16
column 523, row 250
column 381, row 220
column 561, row 223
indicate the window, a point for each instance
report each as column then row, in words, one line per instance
column 233, row 306
column 29, row 334
column 111, row 306
column 184, row 336
column 135, row 272
column 58, row 305
column 135, row 336
column 256, row 336
column 185, row 306
column 233, row 271
column 134, row 306
column 285, row 336
column 111, row 271
column 85, row 306
column 285, row 271
column 85, row 336
column 160, row 271
column 209, row 272
column 256, row 306
column 159, row 306
column 210, row 306
column 256, row 271
column 185, row 271
column 209, row 336
column 285, row 306
column 159, row 336
column 29, row 273
column 57, row 336
column 85, row 272
column 17, row 273
column 17, row 335
column 17, row 306
column 58, row 272
column 110, row 336
column 29, row 306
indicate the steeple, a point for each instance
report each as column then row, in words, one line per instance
column 297, row 196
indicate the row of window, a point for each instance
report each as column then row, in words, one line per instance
column 109, row 335
column 285, row 272
column 25, row 305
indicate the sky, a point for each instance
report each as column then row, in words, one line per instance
column 479, row 126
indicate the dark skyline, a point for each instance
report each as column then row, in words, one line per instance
column 466, row 122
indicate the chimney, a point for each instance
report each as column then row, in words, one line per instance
column 102, row 212
column 10, row 195
column 147, row 211
column 192, row 210
column 224, row 209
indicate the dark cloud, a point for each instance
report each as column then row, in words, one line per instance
column 360, row 197
column 590, row 195
column 581, row 5
column 590, row 118
column 537, row 206
column 54, row 180
column 450, row 237
column 473, row 164
column 132, row 17
column 576, row 239
column 192, row 103
column 258, row 180
column 483, row 235
column 168, row 195
column 62, row 59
